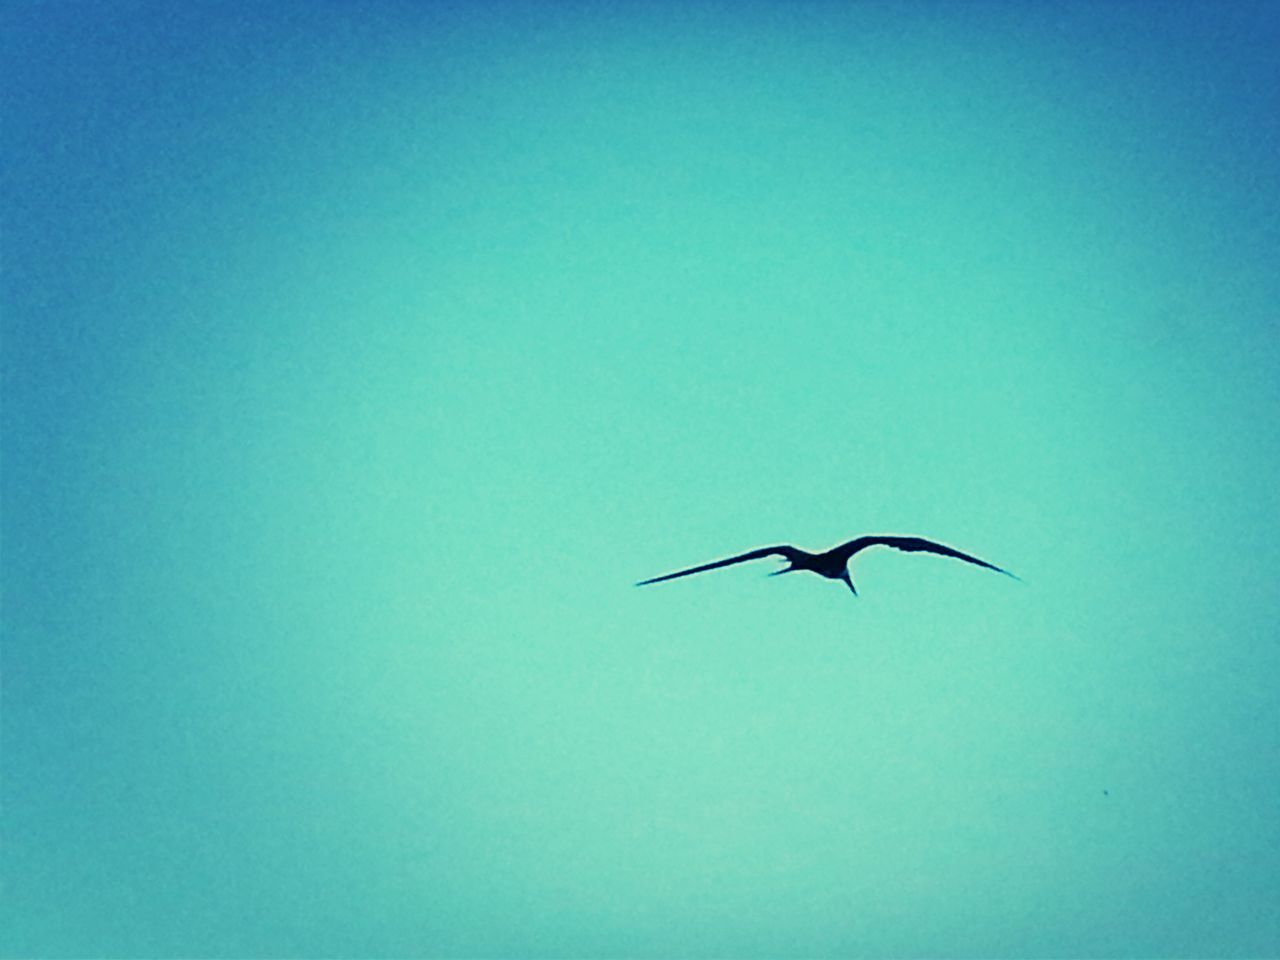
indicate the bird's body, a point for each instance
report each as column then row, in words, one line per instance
column 834, row 563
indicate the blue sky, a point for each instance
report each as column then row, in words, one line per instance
column 357, row 361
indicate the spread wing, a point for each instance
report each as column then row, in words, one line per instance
column 914, row 544
column 789, row 553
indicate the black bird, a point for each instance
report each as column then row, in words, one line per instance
column 834, row 564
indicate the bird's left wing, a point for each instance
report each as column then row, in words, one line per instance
column 790, row 553
column 915, row 544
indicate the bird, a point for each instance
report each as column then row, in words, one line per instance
column 834, row 563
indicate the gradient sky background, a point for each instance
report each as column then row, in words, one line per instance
column 358, row 358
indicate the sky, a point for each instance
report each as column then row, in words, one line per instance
column 359, row 358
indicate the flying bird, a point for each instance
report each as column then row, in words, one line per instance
column 834, row 564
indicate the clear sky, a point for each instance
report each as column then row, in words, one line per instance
column 358, row 359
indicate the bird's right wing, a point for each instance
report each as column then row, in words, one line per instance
column 914, row 544
column 789, row 553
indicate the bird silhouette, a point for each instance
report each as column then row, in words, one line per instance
column 834, row 564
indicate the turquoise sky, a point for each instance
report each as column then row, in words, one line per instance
column 358, row 359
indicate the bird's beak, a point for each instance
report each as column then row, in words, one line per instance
column 849, row 580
